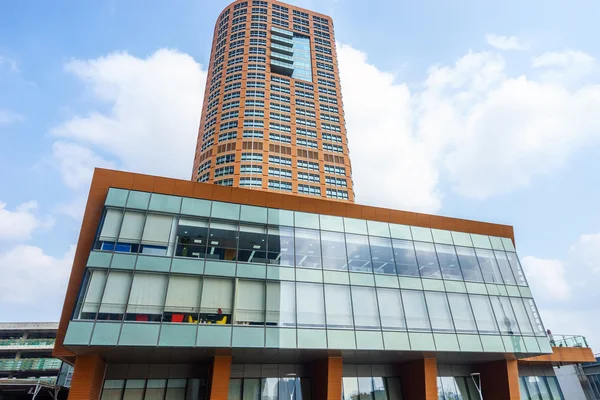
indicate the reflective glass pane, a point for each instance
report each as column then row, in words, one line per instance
column 504, row 315
column 439, row 312
column 447, row 388
column 359, row 255
column 235, row 389
column 270, row 389
column 251, row 389
column 222, row 241
column 281, row 303
column 350, row 389
column 155, row 389
column 113, row 389
column 461, row 313
column 515, row 265
column 448, row 262
column 534, row 316
column 521, row 315
column 310, row 305
column 364, row 303
column 489, row 266
column 252, row 244
column 192, row 236
column 427, row 260
column 390, row 309
column 333, row 247
column 463, row 390
column 523, row 388
column 504, row 267
column 532, row 387
column 281, row 246
column 176, row 389
column 484, row 314
column 308, row 248
column 394, row 390
column 338, row 306
column 382, row 255
column 404, row 255
column 134, row 389
column 544, row 391
column 554, row 388
column 379, row 389
column 469, row 264
column 365, row 388
column 415, row 310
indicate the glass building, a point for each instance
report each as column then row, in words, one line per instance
column 212, row 289
column 273, row 117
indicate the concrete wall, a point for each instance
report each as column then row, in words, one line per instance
column 569, row 382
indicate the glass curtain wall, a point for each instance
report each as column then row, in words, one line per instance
column 540, row 388
column 285, row 388
column 457, row 388
column 371, row 388
column 154, row 389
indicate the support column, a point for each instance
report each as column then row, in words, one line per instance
column 326, row 378
column 88, row 376
column 500, row 380
column 419, row 379
column 219, row 378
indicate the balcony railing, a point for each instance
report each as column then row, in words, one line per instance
column 45, row 379
column 27, row 342
column 569, row 341
column 30, row 364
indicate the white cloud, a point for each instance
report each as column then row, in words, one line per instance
column 8, row 117
column 76, row 163
column 505, row 42
column 21, row 223
column 548, row 276
column 567, row 290
column 33, row 282
column 472, row 124
column 564, row 68
column 390, row 167
column 74, row 208
column 154, row 112
column 9, row 63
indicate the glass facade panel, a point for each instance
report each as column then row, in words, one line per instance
column 405, row 257
column 515, row 265
column 222, row 241
column 461, row 313
column 448, row 262
column 489, row 266
column 310, row 305
column 338, row 305
column 113, row 389
column 281, row 303
column 155, row 389
column 469, row 264
column 280, row 246
column 192, row 236
column 364, row 303
column 415, row 310
column 382, row 255
column 250, row 303
column 390, row 309
column 521, row 315
column 359, row 255
column 439, row 312
column 427, row 260
column 484, row 314
column 505, row 316
column 308, row 248
column 504, row 267
column 333, row 246
column 302, row 63
column 252, row 244
column 134, row 389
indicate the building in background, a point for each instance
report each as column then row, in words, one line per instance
column 193, row 290
column 26, row 363
column 273, row 117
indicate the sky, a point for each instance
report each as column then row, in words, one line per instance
column 467, row 109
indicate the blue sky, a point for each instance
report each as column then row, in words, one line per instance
column 489, row 112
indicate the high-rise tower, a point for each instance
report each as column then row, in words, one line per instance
column 273, row 115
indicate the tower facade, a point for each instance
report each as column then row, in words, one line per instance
column 272, row 117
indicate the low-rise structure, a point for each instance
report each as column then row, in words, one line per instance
column 27, row 367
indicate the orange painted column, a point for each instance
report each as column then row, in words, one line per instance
column 326, row 378
column 88, row 376
column 500, row 380
column 219, row 378
column 418, row 379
